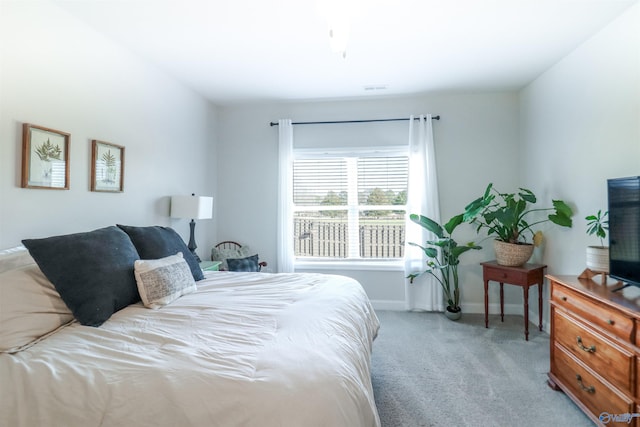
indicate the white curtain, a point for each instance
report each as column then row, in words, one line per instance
column 425, row 292
column 285, row 197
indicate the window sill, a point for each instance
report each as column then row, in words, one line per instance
column 394, row 265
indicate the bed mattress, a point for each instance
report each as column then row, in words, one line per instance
column 245, row 349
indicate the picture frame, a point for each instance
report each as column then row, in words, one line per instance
column 45, row 158
column 107, row 167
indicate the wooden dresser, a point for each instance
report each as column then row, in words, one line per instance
column 594, row 358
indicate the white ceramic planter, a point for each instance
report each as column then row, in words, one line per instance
column 598, row 258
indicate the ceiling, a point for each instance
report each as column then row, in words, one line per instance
column 234, row 51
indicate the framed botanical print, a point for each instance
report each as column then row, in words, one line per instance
column 45, row 158
column 107, row 167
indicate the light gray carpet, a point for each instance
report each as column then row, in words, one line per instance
column 430, row 371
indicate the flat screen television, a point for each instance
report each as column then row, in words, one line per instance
column 624, row 229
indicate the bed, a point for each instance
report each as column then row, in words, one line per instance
column 242, row 349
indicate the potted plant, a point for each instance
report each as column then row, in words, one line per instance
column 505, row 216
column 598, row 256
column 443, row 257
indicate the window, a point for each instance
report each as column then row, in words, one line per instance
column 350, row 206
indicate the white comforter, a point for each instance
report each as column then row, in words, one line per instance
column 246, row 349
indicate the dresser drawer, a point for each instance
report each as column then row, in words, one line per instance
column 586, row 386
column 638, row 378
column 608, row 318
column 596, row 351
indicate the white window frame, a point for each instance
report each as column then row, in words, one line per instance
column 353, row 260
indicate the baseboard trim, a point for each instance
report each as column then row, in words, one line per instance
column 466, row 308
column 471, row 308
column 391, row 305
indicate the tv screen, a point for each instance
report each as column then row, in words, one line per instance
column 624, row 229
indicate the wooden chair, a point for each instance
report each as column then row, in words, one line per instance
column 229, row 244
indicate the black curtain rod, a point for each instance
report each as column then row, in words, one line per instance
column 353, row 121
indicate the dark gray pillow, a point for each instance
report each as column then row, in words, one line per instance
column 157, row 242
column 249, row 263
column 92, row 271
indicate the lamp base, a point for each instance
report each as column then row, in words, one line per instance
column 192, row 240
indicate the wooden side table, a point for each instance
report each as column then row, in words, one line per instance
column 526, row 275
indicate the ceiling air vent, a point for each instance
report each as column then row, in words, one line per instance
column 374, row 88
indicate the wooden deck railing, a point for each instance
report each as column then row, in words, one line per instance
column 318, row 238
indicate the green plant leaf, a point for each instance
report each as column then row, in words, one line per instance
column 561, row 220
column 598, row 224
column 476, row 207
column 487, row 192
column 429, row 252
column 562, row 208
column 444, row 242
column 459, row 250
column 428, row 224
column 527, row 195
column 453, row 223
column 562, row 216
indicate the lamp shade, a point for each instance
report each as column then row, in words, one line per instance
column 194, row 207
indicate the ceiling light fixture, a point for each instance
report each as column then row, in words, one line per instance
column 339, row 37
column 338, row 14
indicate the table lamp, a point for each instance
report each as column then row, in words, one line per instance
column 194, row 207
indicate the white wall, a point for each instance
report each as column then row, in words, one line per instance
column 474, row 126
column 580, row 124
column 58, row 73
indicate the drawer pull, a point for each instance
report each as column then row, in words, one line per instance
column 591, row 349
column 563, row 298
column 610, row 322
column 591, row 389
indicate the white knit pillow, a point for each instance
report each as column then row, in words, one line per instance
column 162, row 281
